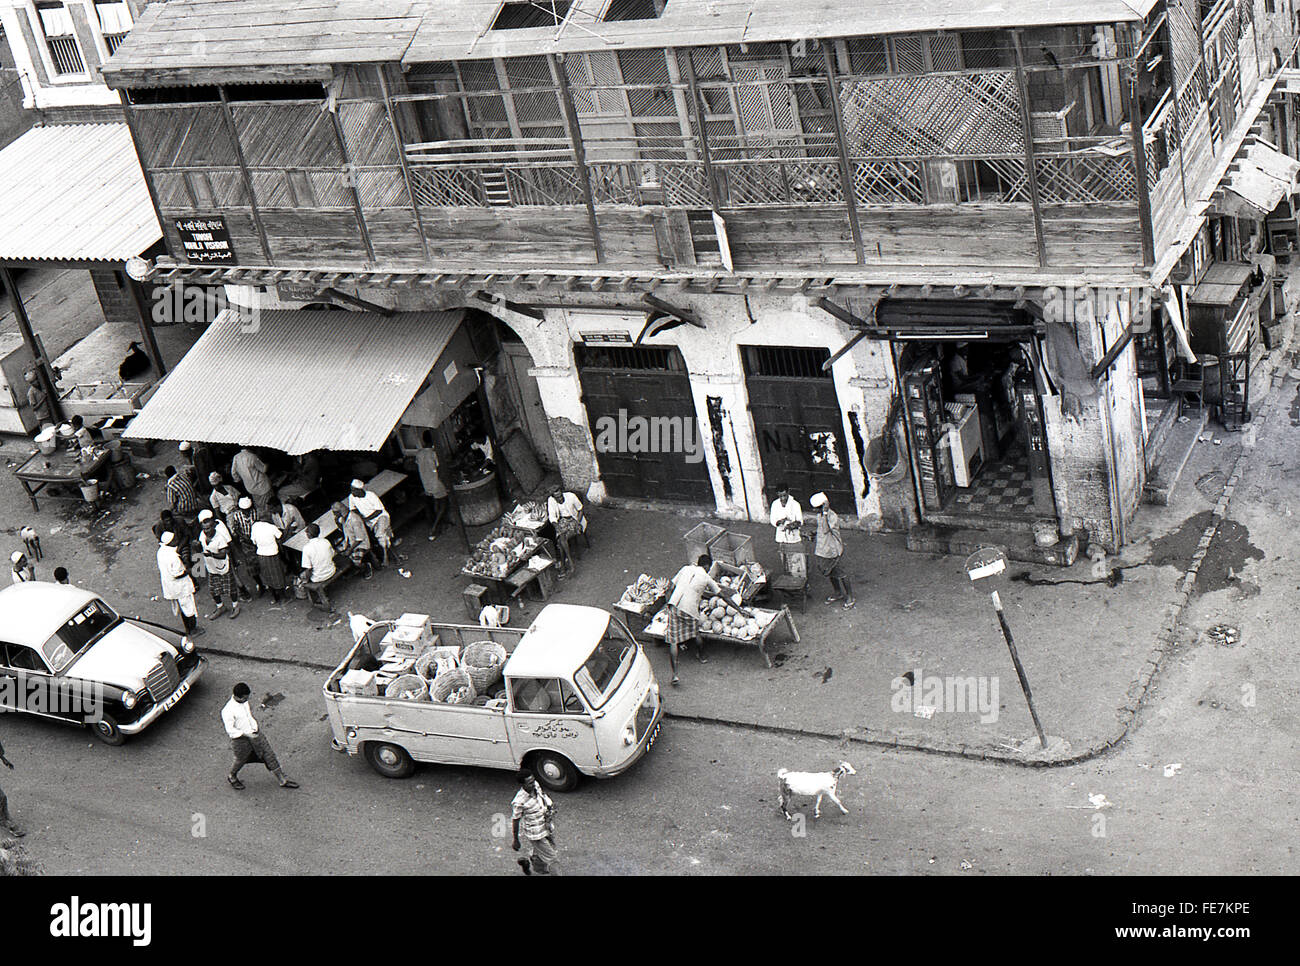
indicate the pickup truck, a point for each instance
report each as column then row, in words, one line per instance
column 580, row 699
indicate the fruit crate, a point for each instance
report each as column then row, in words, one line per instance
column 698, row 539
column 732, row 548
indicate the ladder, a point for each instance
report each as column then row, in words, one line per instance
column 496, row 190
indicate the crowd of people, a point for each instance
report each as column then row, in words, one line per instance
column 232, row 531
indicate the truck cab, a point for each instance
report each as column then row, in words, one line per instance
column 578, row 697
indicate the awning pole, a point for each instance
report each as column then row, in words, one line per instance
column 146, row 328
column 33, row 344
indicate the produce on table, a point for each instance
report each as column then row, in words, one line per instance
column 499, row 554
column 720, row 616
column 527, row 512
column 646, row 591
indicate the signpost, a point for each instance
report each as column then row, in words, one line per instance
column 982, row 564
column 205, row 241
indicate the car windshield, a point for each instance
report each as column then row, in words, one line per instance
column 604, row 671
column 82, row 629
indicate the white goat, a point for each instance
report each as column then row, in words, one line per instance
column 812, row 784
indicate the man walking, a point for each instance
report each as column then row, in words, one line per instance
column 426, row 462
column 247, row 742
column 5, row 818
column 828, row 548
column 215, row 542
column 318, row 565
column 249, row 471
column 177, row 584
column 533, row 813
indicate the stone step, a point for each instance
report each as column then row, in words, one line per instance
column 1170, row 460
column 1016, row 544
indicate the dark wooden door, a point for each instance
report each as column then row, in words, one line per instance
column 627, row 384
column 798, row 424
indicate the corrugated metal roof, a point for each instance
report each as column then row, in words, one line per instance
column 298, row 381
column 74, row 192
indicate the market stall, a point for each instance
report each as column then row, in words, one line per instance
column 726, row 623
column 63, row 466
column 506, row 564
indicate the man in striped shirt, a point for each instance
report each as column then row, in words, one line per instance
column 533, row 814
column 181, row 498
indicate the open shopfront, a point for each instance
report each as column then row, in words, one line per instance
column 971, row 379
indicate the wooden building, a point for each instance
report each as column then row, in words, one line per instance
column 829, row 232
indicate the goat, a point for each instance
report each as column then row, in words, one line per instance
column 134, row 363
column 812, row 784
column 32, row 542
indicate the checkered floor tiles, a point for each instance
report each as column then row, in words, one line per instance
column 1003, row 488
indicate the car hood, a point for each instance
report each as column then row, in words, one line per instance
column 123, row 657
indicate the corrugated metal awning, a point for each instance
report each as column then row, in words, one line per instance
column 74, row 192
column 1263, row 177
column 298, row 381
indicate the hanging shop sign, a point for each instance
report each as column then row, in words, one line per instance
column 205, row 241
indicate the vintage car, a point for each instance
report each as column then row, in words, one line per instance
column 66, row 654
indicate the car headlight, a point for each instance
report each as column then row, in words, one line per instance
column 187, row 645
column 130, row 699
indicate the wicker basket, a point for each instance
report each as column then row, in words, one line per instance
column 478, row 661
column 408, row 687
column 447, row 682
column 425, row 665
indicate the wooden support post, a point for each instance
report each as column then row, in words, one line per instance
column 1031, row 163
column 44, row 368
column 579, row 153
column 1133, row 110
column 243, row 167
column 846, row 173
column 146, row 327
column 706, row 158
column 351, row 181
column 401, row 155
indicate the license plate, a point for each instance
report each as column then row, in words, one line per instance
column 654, row 733
column 180, row 693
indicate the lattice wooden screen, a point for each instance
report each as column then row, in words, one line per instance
column 1184, row 38
column 933, row 115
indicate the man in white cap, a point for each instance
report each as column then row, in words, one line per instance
column 372, row 511
column 215, row 541
column 199, row 458
column 23, row 570
column 244, row 553
column 224, row 497
column 177, row 584
column 828, row 548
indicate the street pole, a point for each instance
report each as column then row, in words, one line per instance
column 1020, row 670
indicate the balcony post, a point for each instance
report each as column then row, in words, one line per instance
column 400, row 144
column 846, row 173
column 351, row 178
column 243, row 167
column 1133, row 109
column 706, row 158
column 1031, row 163
column 579, row 153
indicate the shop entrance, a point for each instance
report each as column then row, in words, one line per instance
column 975, row 430
column 643, row 393
column 798, row 423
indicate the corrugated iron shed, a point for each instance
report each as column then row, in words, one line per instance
column 298, row 381
column 74, row 192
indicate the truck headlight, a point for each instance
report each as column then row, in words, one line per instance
column 629, row 734
column 187, row 645
column 130, row 699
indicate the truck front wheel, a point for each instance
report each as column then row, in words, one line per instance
column 389, row 760
column 555, row 772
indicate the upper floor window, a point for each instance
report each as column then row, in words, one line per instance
column 56, row 25
column 114, row 22
column 634, row 10
column 532, row 13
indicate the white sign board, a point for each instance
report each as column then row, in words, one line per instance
column 986, row 562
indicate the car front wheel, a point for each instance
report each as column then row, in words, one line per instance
column 107, row 730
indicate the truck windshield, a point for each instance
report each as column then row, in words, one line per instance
column 82, row 629
column 604, row 671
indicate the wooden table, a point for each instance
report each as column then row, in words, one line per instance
column 57, row 468
column 657, row 628
column 379, row 485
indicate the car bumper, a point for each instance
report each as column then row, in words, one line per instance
column 161, row 708
column 642, row 746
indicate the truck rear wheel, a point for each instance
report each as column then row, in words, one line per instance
column 391, row 761
column 555, row 772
